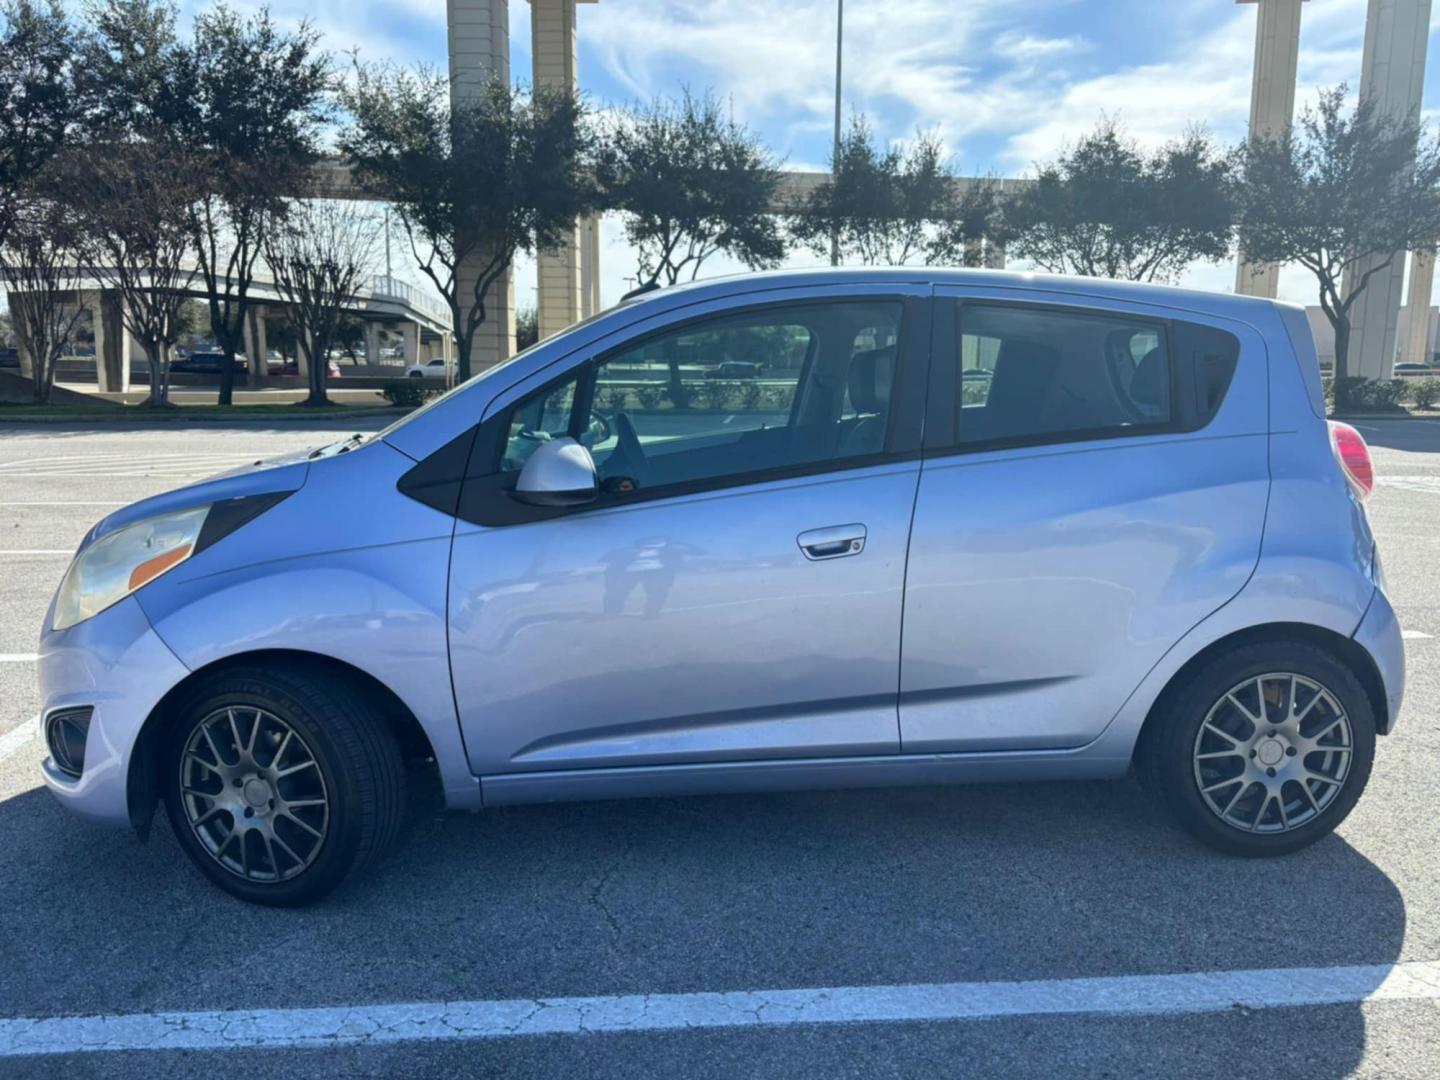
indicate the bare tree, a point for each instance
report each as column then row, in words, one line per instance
column 134, row 201
column 320, row 257
column 258, row 101
column 39, row 265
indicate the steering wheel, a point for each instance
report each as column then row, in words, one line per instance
column 629, row 457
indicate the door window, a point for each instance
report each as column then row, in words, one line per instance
column 1039, row 374
column 768, row 389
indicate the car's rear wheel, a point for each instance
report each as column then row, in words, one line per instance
column 417, row 374
column 1264, row 750
column 279, row 782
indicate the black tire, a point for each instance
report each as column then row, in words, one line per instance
column 417, row 374
column 1165, row 757
column 352, row 746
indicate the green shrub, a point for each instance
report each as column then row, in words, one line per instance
column 1425, row 393
column 1388, row 393
column 1327, row 388
column 1350, row 392
column 407, row 393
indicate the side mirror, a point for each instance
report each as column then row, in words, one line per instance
column 559, row 473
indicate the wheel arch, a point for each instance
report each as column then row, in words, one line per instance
column 142, row 780
column 1347, row 650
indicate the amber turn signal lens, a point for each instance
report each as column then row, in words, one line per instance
column 153, row 568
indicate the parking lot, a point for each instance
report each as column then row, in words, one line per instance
column 904, row 919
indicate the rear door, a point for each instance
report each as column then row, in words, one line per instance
column 1094, row 484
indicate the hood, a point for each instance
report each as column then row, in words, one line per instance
column 276, row 475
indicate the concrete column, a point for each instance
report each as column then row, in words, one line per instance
column 590, row 266
column 1417, row 308
column 409, row 343
column 1392, row 75
column 1272, row 108
column 552, row 50
column 994, row 255
column 974, row 251
column 372, row 343
column 112, row 341
column 480, row 50
column 256, row 345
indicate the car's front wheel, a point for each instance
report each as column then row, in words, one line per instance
column 1264, row 750
column 279, row 782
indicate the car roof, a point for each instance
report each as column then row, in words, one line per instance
column 1218, row 303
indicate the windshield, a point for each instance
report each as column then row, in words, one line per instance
column 438, row 398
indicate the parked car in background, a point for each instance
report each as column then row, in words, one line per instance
column 290, row 367
column 207, row 363
column 734, row 369
column 1414, row 369
column 1137, row 543
column 9, row 358
column 435, row 368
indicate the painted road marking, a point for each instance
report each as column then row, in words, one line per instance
column 1415, row 635
column 18, row 657
column 1130, row 995
column 11, row 742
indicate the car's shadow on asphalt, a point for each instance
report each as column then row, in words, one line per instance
column 741, row 892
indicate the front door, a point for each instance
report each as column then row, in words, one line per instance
column 735, row 591
column 1095, row 484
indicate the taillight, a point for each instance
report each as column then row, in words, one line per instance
column 1354, row 457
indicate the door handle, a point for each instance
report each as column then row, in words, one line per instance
column 834, row 542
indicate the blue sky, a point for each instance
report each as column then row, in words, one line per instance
column 1006, row 82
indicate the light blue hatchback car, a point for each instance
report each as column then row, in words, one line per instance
column 781, row 531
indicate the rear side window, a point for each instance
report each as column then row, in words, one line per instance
column 1037, row 374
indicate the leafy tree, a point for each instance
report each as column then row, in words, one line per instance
column 976, row 214
column 134, row 72
column 40, row 266
column 1344, row 193
column 474, row 180
column 895, row 206
column 133, row 199
column 1107, row 208
column 320, row 256
column 257, row 102
column 692, row 181
column 527, row 327
column 39, row 102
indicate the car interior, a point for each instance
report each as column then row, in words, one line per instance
column 815, row 385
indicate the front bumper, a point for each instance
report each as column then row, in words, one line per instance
column 117, row 665
column 1379, row 634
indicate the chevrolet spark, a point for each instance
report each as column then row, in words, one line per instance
column 782, row 531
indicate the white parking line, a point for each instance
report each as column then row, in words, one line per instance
column 1132, row 995
column 16, row 738
column 1415, row 635
column 18, row 657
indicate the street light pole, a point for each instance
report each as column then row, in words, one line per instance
column 835, row 159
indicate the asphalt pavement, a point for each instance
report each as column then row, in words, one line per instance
column 653, row 905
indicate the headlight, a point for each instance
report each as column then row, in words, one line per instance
column 116, row 565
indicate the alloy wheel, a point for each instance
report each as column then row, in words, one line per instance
column 254, row 794
column 1273, row 752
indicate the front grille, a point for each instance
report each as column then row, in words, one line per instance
column 66, row 731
